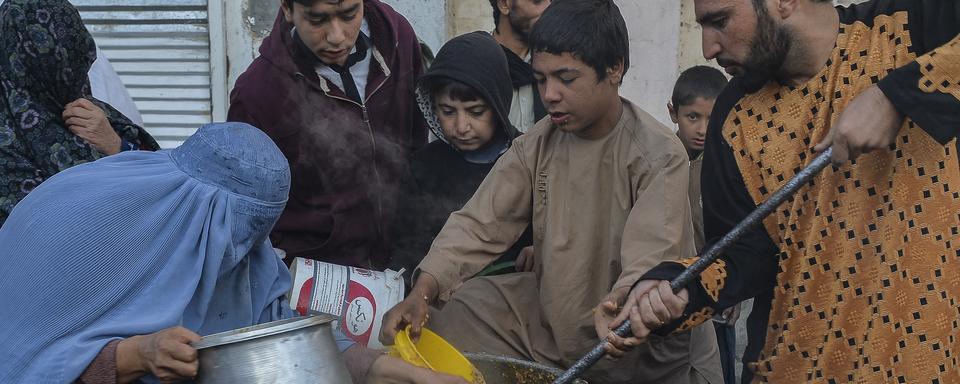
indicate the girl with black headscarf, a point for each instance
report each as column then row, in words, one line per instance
column 465, row 99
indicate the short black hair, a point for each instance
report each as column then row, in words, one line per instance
column 455, row 89
column 307, row 3
column 699, row 81
column 758, row 4
column 593, row 31
column 496, row 13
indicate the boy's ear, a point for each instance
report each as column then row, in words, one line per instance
column 615, row 73
column 287, row 11
column 786, row 8
column 504, row 7
column 673, row 112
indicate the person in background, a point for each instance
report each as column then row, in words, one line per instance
column 690, row 107
column 603, row 185
column 334, row 88
column 106, row 86
column 464, row 97
column 48, row 119
column 185, row 228
column 854, row 276
column 513, row 20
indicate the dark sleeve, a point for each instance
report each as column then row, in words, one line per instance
column 412, row 236
column 418, row 125
column 130, row 133
column 103, row 368
column 238, row 111
column 749, row 266
column 928, row 89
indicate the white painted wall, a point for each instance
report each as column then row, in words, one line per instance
column 654, row 28
column 428, row 18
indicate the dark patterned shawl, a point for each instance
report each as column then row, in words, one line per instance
column 45, row 54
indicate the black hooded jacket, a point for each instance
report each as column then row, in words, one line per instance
column 441, row 180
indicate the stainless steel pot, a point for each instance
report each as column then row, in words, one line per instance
column 292, row 351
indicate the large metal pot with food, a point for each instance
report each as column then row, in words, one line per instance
column 507, row 370
column 292, row 351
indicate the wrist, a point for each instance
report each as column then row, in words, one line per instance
column 130, row 362
column 426, row 287
column 117, row 145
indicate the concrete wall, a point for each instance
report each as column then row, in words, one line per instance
column 468, row 16
column 428, row 18
column 248, row 22
column 654, row 44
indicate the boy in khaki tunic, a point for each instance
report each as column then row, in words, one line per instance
column 604, row 186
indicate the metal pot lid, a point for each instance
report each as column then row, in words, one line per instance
column 262, row 330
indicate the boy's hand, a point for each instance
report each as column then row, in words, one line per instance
column 525, row 260
column 412, row 311
column 649, row 306
column 606, row 318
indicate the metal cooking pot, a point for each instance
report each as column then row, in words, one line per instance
column 508, row 370
column 298, row 350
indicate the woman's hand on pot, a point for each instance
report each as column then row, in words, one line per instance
column 167, row 354
column 391, row 370
column 86, row 120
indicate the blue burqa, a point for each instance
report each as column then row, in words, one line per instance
column 139, row 242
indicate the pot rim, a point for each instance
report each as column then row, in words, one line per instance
column 261, row 330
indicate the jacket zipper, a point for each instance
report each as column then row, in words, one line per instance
column 373, row 142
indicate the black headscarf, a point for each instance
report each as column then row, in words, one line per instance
column 490, row 77
column 45, row 54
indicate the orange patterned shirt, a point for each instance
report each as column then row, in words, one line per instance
column 860, row 268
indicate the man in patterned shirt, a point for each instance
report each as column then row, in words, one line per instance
column 855, row 276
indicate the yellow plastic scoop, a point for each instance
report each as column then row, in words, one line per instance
column 434, row 353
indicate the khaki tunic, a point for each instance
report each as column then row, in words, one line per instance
column 603, row 212
column 696, row 203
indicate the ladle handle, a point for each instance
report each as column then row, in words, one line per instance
column 711, row 255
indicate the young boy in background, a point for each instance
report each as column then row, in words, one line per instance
column 690, row 105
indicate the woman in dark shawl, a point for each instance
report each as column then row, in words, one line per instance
column 48, row 119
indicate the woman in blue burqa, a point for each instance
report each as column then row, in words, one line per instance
column 111, row 269
column 48, row 119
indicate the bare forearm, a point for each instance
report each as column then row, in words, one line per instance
column 360, row 360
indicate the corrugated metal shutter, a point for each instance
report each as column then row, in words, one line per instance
column 161, row 50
